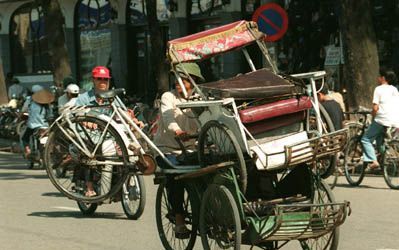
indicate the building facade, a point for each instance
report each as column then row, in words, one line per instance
column 115, row 34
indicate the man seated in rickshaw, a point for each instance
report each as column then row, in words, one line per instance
column 175, row 122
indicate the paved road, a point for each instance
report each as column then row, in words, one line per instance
column 33, row 215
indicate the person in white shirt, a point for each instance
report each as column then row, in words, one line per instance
column 384, row 114
column 16, row 90
column 16, row 94
column 68, row 99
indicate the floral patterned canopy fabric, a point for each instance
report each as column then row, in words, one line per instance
column 202, row 45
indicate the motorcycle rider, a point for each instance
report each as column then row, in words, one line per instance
column 16, row 90
column 68, row 99
column 38, row 112
column 101, row 80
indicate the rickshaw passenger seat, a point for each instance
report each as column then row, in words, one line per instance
column 274, row 109
column 266, row 117
column 273, row 123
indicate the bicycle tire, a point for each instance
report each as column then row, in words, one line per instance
column 332, row 179
column 391, row 165
column 165, row 220
column 322, row 194
column 133, row 204
column 219, row 214
column 60, row 152
column 211, row 151
column 328, row 164
column 353, row 162
column 87, row 209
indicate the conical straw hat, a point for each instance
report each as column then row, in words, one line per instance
column 43, row 97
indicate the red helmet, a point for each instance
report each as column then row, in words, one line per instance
column 100, row 72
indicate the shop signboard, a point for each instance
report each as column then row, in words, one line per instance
column 333, row 56
column 272, row 20
column 45, row 79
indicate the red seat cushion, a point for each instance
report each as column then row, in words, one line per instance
column 275, row 122
column 279, row 108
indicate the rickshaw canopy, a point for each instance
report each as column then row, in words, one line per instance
column 214, row 41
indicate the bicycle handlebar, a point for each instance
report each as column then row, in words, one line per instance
column 111, row 93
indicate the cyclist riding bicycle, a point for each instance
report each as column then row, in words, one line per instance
column 71, row 92
column 173, row 123
column 385, row 99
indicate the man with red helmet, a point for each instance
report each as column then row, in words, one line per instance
column 101, row 81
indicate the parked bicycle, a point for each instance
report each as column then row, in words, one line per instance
column 354, row 129
column 355, row 167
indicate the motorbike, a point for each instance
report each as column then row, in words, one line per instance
column 131, row 196
column 37, row 141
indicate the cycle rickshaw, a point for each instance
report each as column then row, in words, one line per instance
column 254, row 124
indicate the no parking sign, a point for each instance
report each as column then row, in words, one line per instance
column 272, row 20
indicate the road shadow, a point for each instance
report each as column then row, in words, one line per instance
column 53, row 194
column 20, row 176
column 13, row 161
column 78, row 215
column 361, row 186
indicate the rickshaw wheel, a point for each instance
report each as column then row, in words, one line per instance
column 322, row 194
column 326, row 165
column 166, row 220
column 220, row 225
column 217, row 144
column 87, row 208
column 133, row 196
column 353, row 162
column 62, row 156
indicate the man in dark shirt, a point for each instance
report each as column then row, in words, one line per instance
column 332, row 107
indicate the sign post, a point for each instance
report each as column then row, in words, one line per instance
column 272, row 20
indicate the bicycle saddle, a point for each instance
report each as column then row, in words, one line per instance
column 111, row 93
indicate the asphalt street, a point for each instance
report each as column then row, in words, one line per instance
column 34, row 215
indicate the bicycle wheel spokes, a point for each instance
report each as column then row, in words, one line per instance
column 322, row 195
column 354, row 165
column 217, row 144
column 220, row 225
column 71, row 169
column 133, row 196
column 166, row 221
